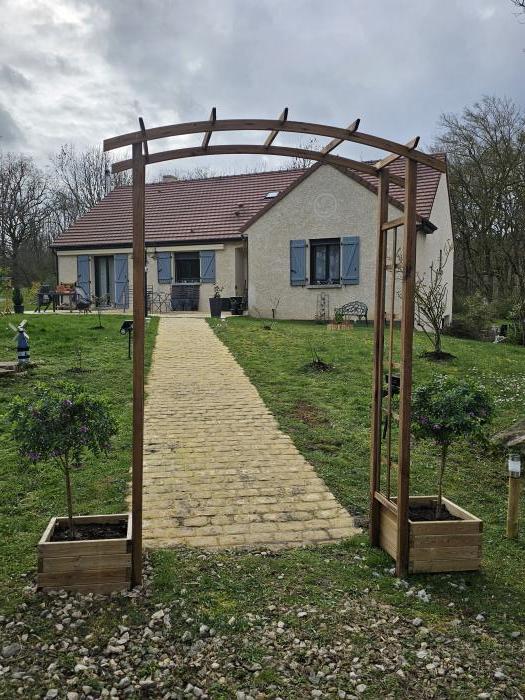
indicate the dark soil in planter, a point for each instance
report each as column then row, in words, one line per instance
column 89, row 531
column 426, row 512
column 438, row 356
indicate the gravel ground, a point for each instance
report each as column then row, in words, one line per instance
column 131, row 645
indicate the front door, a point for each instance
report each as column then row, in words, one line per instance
column 104, row 280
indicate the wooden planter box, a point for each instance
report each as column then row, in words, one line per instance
column 435, row 546
column 86, row 566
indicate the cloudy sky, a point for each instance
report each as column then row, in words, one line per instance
column 78, row 71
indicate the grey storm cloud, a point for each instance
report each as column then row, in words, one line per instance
column 92, row 66
column 13, row 79
column 11, row 136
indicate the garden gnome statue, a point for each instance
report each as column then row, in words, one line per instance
column 22, row 344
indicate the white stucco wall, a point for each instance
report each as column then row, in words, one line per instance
column 224, row 268
column 327, row 204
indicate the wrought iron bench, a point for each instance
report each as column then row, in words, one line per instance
column 354, row 308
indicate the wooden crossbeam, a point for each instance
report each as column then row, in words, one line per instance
column 207, row 135
column 394, row 156
column 144, row 140
column 334, row 143
column 393, row 224
column 273, row 134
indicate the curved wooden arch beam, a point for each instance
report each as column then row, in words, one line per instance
column 312, row 129
column 228, row 149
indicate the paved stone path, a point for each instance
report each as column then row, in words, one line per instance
column 218, row 472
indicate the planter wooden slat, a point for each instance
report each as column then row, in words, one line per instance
column 435, row 546
column 97, row 566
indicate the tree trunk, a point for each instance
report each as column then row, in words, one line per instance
column 444, row 450
column 69, row 502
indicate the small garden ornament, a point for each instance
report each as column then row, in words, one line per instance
column 445, row 410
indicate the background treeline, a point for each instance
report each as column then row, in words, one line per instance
column 485, row 147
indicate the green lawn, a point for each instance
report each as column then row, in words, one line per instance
column 328, row 416
column 30, row 495
column 329, row 622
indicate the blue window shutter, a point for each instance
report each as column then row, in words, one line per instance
column 207, row 266
column 164, row 268
column 121, row 280
column 350, row 260
column 298, row 263
column 83, row 276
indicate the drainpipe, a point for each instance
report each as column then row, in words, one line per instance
column 245, row 245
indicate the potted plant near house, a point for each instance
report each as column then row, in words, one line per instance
column 216, row 301
column 18, row 301
column 443, row 536
column 59, row 426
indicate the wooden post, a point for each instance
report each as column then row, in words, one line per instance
column 513, row 511
column 138, row 198
column 405, row 396
column 379, row 339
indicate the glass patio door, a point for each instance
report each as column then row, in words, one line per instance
column 104, row 280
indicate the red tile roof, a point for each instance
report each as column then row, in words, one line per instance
column 215, row 208
column 211, row 209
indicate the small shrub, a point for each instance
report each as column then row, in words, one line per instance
column 59, row 425
column 446, row 409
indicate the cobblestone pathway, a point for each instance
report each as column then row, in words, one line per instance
column 218, row 472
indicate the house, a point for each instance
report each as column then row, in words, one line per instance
column 298, row 240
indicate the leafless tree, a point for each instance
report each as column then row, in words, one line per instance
column 24, row 208
column 431, row 297
column 81, row 180
column 298, row 162
column 485, row 147
column 519, row 3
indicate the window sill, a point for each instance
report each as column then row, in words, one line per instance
column 324, row 286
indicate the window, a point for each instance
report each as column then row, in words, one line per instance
column 271, row 195
column 187, row 267
column 325, row 261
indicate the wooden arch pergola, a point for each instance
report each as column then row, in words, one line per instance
column 141, row 156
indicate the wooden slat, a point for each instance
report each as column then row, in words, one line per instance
column 138, row 204
column 66, row 549
column 100, row 588
column 85, row 563
column 381, row 498
column 379, row 339
column 394, row 223
column 444, row 527
column 405, row 397
column 71, row 578
column 273, row 134
column 334, row 143
column 384, row 162
column 458, row 540
column 274, row 125
column 207, row 135
column 440, row 553
column 441, row 565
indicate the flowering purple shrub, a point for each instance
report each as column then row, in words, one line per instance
column 60, row 424
column 446, row 409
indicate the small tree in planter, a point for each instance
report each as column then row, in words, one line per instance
column 445, row 410
column 60, row 425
